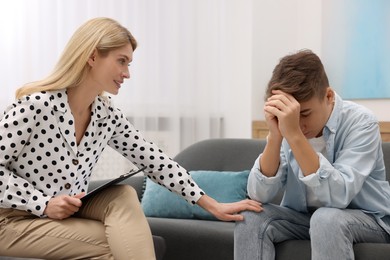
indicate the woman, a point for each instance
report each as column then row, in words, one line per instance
column 52, row 137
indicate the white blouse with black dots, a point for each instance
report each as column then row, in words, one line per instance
column 39, row 157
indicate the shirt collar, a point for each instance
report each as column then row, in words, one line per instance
column 100, row 107
column 333, row 120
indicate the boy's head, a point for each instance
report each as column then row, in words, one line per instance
column 301, row 75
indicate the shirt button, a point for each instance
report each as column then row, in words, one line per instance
column 75, row 161
column 67, row 186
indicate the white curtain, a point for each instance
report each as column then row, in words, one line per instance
column 174, row 94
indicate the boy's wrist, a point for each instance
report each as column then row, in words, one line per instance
column 274, row 138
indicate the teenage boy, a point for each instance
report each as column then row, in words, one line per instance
column 326, row 154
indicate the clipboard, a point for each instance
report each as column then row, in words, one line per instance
column 112, row 182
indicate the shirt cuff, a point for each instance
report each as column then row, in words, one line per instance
column 37, row 203
column 266, row 180
column 314, row 179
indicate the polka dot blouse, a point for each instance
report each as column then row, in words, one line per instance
column 39, row 156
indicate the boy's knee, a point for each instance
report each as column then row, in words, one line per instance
column 254, row 224
column 251, row 219
column 326, row 220
column 247, row 228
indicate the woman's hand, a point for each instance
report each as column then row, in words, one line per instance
column 228, row 211
column 63, row 206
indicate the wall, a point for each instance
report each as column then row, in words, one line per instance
column 237, row 78
column 380, row 107
column 260, row 33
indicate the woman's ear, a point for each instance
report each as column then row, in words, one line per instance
column 91, row 60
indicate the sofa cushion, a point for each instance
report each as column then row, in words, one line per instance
column 224, row 186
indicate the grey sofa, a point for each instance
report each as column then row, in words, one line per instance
column 213, row 240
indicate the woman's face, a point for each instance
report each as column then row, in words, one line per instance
column 109, row 71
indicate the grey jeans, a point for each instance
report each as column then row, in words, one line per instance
column 332, row 232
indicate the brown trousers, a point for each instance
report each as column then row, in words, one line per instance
column 111, row 225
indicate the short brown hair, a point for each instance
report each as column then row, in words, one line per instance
column 301, row 75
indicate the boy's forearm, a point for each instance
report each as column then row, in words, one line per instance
column 305, row 155
column 270, row 159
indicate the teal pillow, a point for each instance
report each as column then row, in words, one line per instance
column 223, row 186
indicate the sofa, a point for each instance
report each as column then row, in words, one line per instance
column 195, row 239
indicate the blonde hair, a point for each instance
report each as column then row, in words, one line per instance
column 101, row 34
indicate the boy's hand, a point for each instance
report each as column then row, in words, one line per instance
column 283, row 109
column 272, row 123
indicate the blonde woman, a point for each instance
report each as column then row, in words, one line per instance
column 50, row 140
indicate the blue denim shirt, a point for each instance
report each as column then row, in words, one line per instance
column 351, row 175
